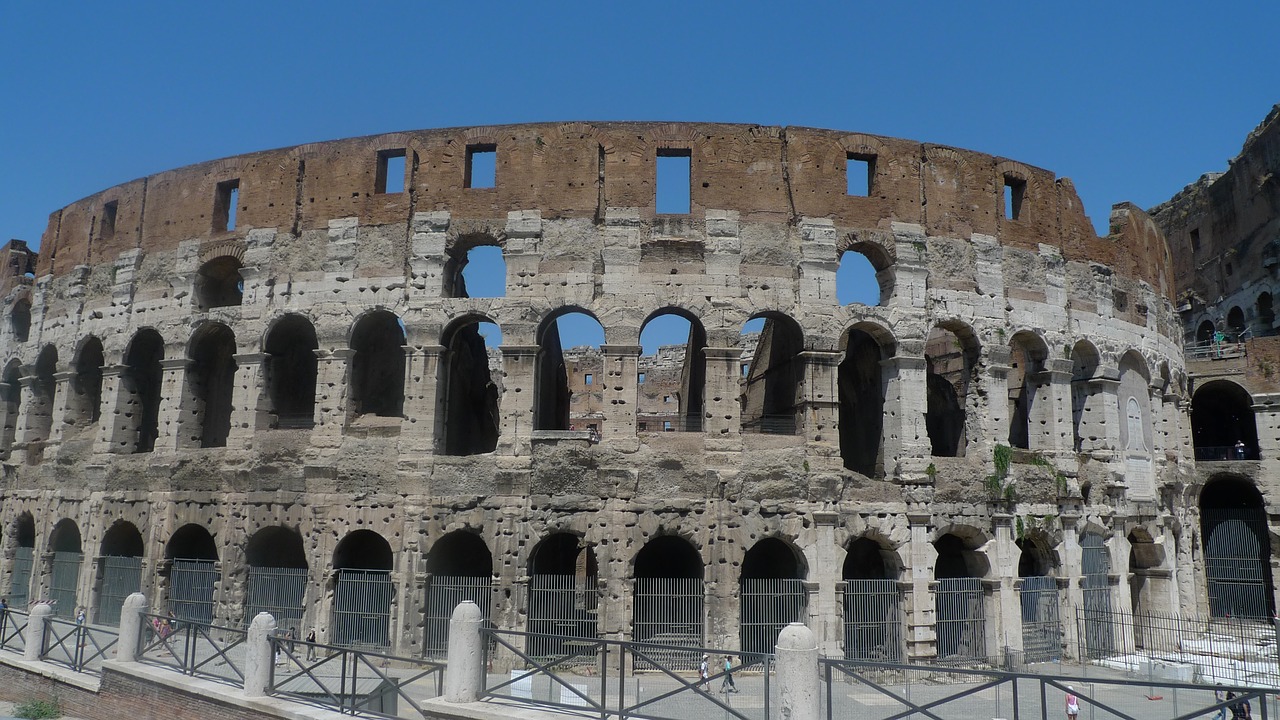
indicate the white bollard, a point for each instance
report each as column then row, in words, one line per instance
column 464, row 675
column 34, row 636
column 257, row 657
column 799, row 684
column 130, row 627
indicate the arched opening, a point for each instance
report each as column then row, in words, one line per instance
column 669, row 597
column 469, row 395
column 959, row 600
column 218, row 283
column 459, row 568
column 291, row 372
column 873, row 620
column 1038, row 596
column 860, row 273
column 1237, row 549
column 141, row 389
column 20, row 321
column 675, row 367
column 119, row 570
column 563, row 598
column 1099, row 620
column 85, row 405
column 1086, row 416
column 377, row 365
column 861, row 391
column 772, row 373
column 951, row 357
column 1204, row 333
column 1235, row 323
column 567, row 372
column 1266, row 315
column 64, row 570
column 193, row 573
column 1223, row 426
column 772, row 594
column 43, row 388
column 11, row 397
column 478, row 271
column 24, row 535
column 210, row 383
column 363, row 592
column 277, row 565
column 1028, row 413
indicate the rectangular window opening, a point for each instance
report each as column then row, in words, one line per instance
column 640, row 379
column 673, row 181
column 1195, row 240
column 859, row 171
column 109, row 220
column 588, row 379
column 746, row 369
column 482, row 166
column 225, row 200
column 1014, row 190
column 390, row 177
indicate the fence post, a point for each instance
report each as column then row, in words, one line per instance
column 130, row 627
column 464, row 674
column 34, row 639
column 799, row 686
column 258, row 659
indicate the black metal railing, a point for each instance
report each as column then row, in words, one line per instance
column 193, row 648
column 1210, row 350
column 13, row 630
column 1227, row 452
column 629, row 679
column 81, row 648
column 351, row 681
column 770, row 424
column 669, row 423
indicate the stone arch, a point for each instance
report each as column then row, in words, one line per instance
column 363, row 592
column 67, row 554
column 959, row 598
column 140, row 401
column 872, row 602
column 1029, row 411
column 119, row 570
column 218, row 283
column 210, row 381
column 459, row 252
column 1086, row 412
column 459, row 568
column 377, row 364
column 552, row 391
column 22, row 538
column 43, row 389
column 690, row 395
column 872, row 261
column 772, row 376
column 1237, row 548
column 469, row 422
column 861, row 386
column 951, row 356
column 1134, row 396
column 563, row 597
column 960, row 553
column 669, row 601
column 191, row 542
column 1204, row 332
column 1037, row 556
column 84, row 406
column 1236, row 322
column 1223, row 424
column 277, row 575
column 20, row 320
column 11, row 402
column 291, row 368
column 122, row 539
column 772, row 593
column 1266, row 314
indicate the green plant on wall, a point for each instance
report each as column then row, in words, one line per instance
column 1059, row 480
column 1000, row 487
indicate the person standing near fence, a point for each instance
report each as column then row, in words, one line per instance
column 727, row 685
column 704, row 672
column 311, row 644
column 1073, row 704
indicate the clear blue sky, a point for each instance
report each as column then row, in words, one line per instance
column 1130, row 100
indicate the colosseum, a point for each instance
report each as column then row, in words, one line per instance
column 260, row 383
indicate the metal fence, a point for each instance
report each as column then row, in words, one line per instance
column 81, row 648
column 631, row 680
column 873, row 620
column 121, row 577
column 278, row 591
column 767, row 605
column 444, row 592
column 1226, row 452
column 20, row 580
column 770, row 424
column 191, row 587
column 563, row 611
column 1041, row 620
column 193, row 648
column 65, row 580
column 353, row 681
column 13, row 630
column 362, row 608
column 669, row 423
column 1235, row 554
column 961, row 620
column 669, row 611
column 1097, row 631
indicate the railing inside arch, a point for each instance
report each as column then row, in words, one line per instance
column 20, row 580
column 961, row 620
column 669, row 611
column 278, row 591
column 563, row 612
column 191, row 586
column 873, row 620
column 66, row 578
column 1041, row 621
column 444, row 592
column 121, row 577
column 362, row 608
column 767, row 605
column 1235, row 561
column 1099, row 631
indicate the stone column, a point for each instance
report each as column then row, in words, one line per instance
column 118, row 424
column 33, row 636
column 464, row 675
column 1118, row 579
column 31, row 408
column 1107, row 386
column 799, row 681
column 818, row 407
column 826, row 616
column 258, row 659
column 62, row 403
column 1071, row 573
column 904, row 437
column 130, row 627
column 994, row 423
column 248, row 412
column 422, row 403
column 1004, row 561
column 621, row 392
column 721, row 408
column 176, row 420
column 1060, row 432
column 921, row 630
column 331, row 397
column 518, row 362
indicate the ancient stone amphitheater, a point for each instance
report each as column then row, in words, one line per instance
column 258, row 383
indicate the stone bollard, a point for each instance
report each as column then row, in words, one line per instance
column 799, row 684
column 130, row 627
column 464, row 675
column 34, row 637
column 258, row 659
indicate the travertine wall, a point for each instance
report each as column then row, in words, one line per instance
column 574, row 212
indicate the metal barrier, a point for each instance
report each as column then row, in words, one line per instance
column 669, row 611
column 961, row 620
column 191, row 588
column 121, row 576
column 65, row 580
column 192, row 648
column 79, row 647
column 669, row 423
column 13, row 630
column 20, row 580
column 770, row 425
column 766, row 605
column 353, row 681
column 444, row 592
column 275, row 590
column 885, row 691
column 629, row 679
column 873, row 621
column 361, row 608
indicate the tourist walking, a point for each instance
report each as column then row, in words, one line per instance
column 1220, row 695
column 704, row 672
column 311, row 644
column 1073, row 704
column 727, row 685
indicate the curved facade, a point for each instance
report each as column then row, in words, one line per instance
column 268, row 367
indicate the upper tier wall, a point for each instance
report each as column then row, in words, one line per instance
column 569, row 170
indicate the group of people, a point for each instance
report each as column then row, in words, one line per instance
column 1240, row 710
column 704, row 675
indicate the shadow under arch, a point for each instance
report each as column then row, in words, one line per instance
column 861, row 390
column 773, row 374
column 951, row 355
column 1237, row 549
column 959, row 599
column 192, row 574
column 1223, row 424
column 22, row 535
column 470, row 422
column 363, row 592
column 277, row 575
column 67, row 555
column 459, row 569
column 563, row 596
column 669, row 599
column 872, row 602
